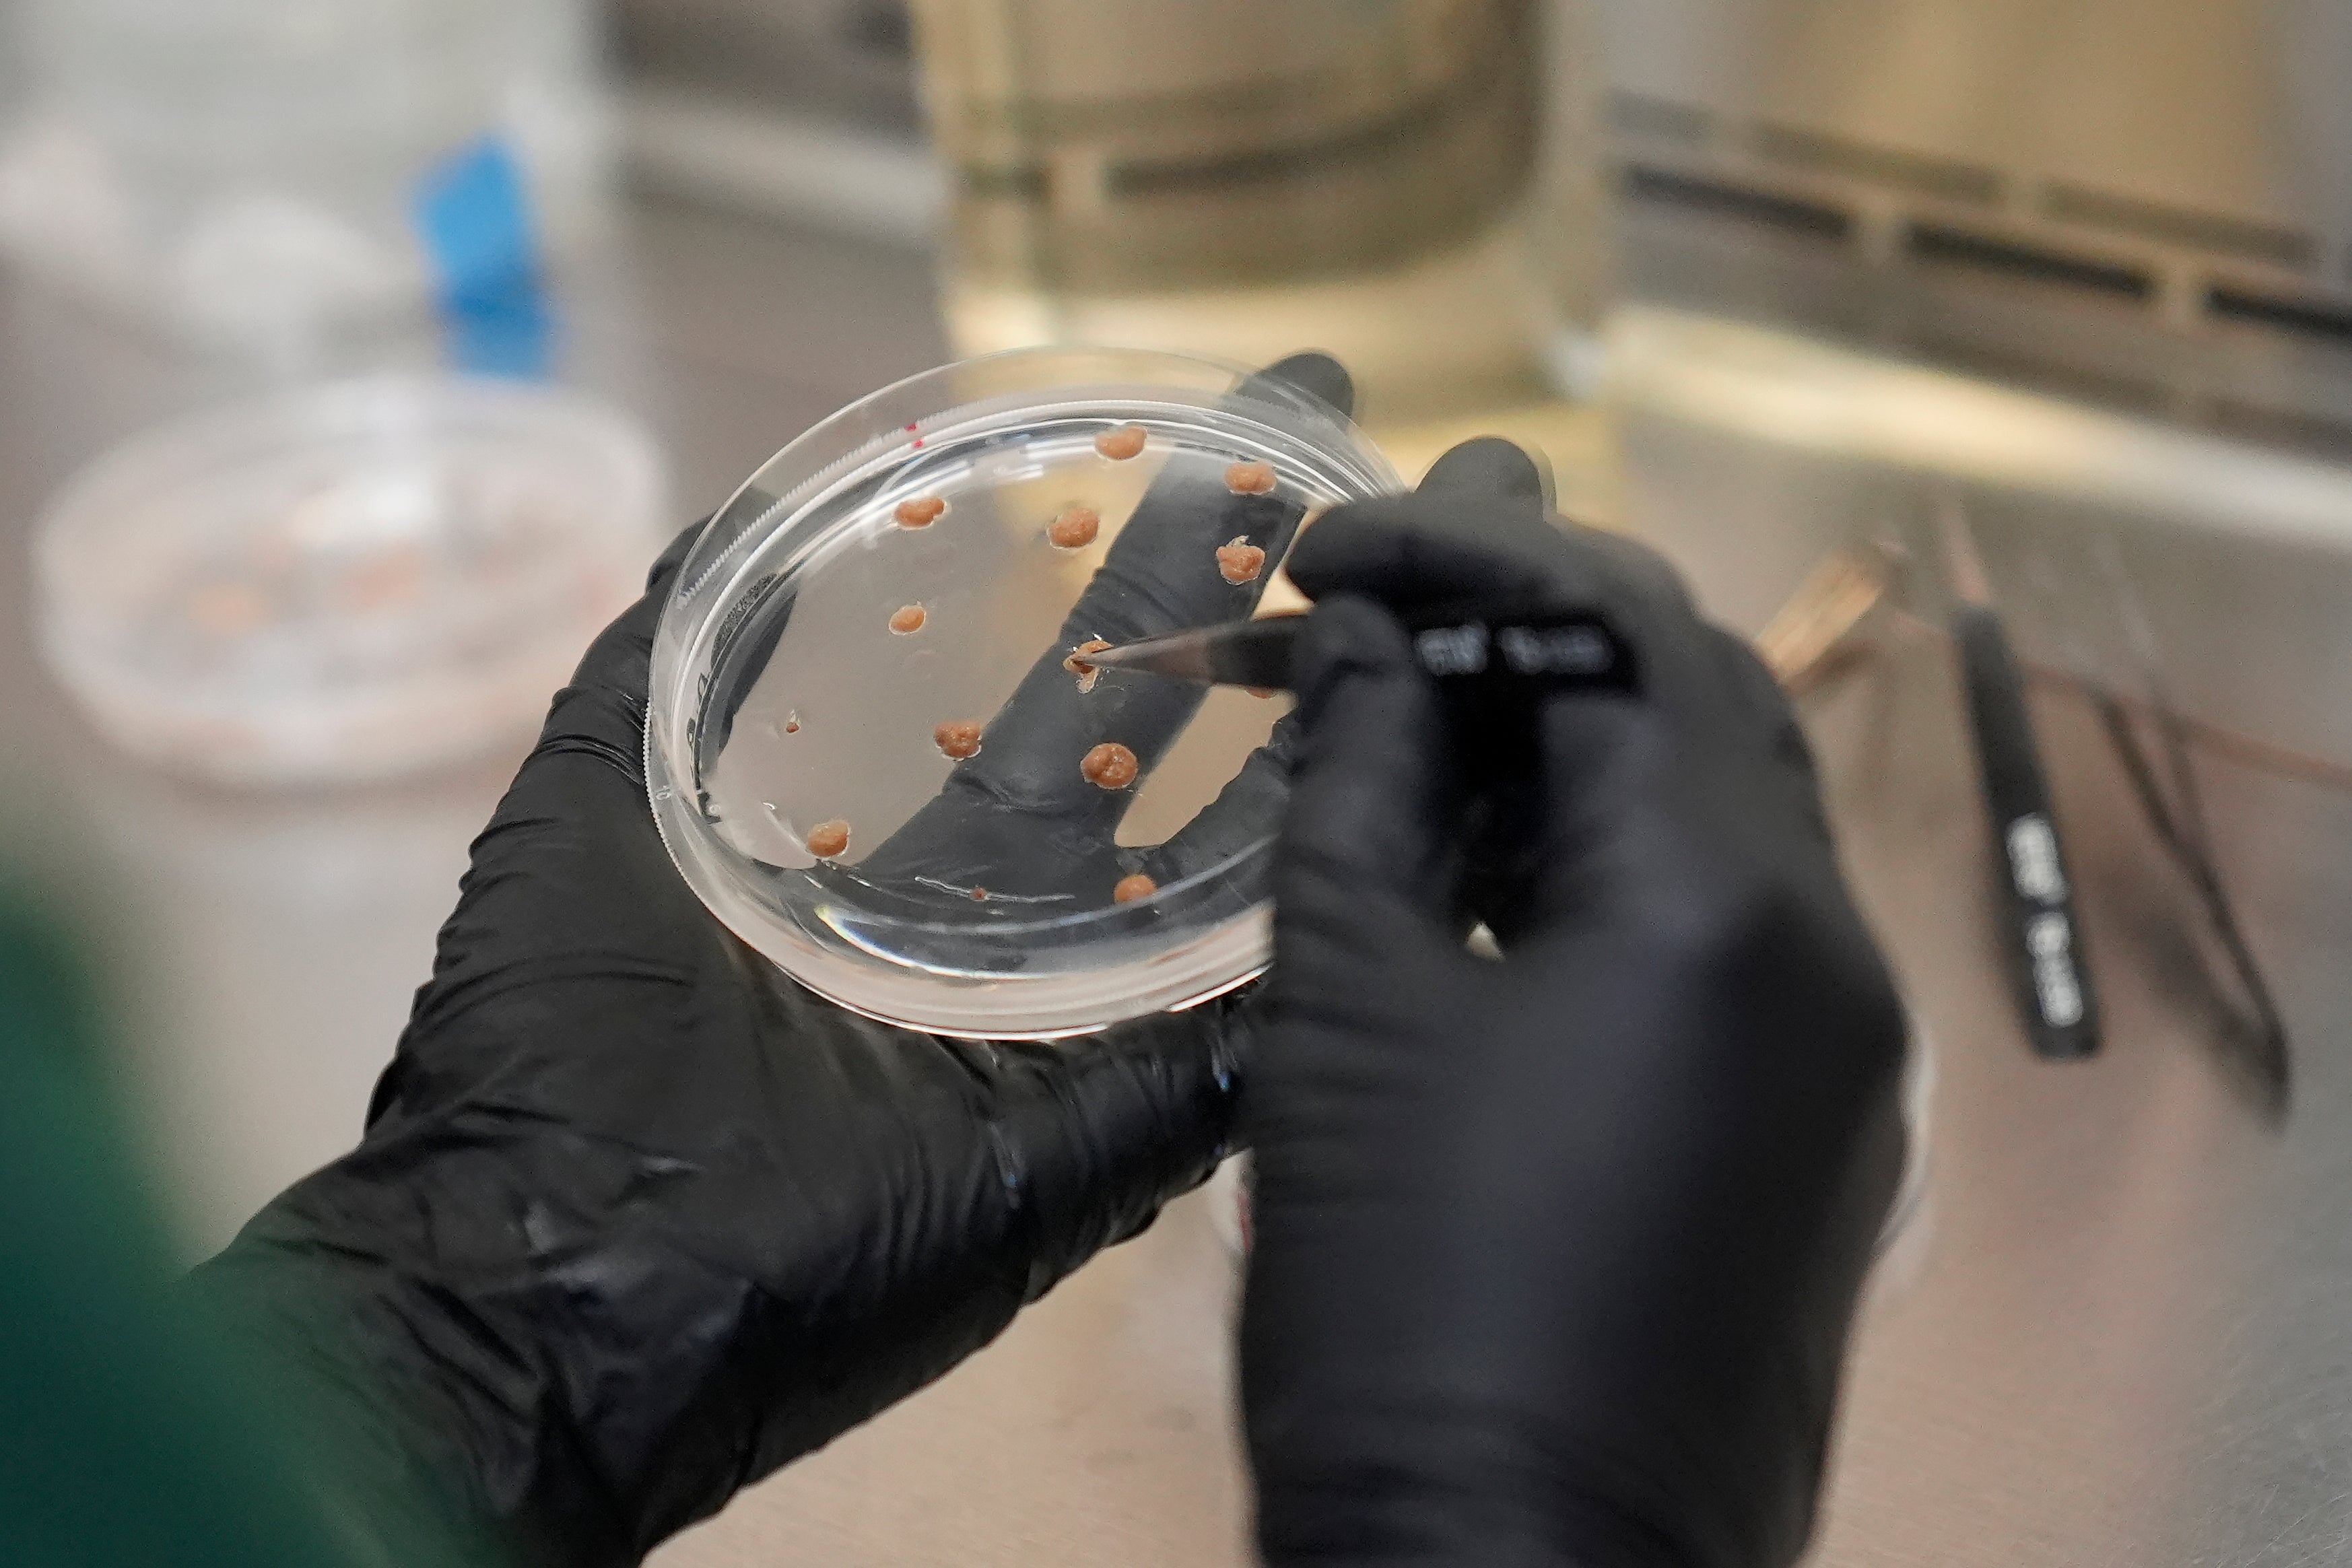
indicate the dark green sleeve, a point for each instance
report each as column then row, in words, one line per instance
column 129, row 1433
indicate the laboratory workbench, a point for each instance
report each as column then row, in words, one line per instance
column 2118, row 1333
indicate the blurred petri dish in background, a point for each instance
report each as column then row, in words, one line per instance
column 347, row 582
column 976, row 893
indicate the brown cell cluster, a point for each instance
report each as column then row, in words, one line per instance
column 920, row 512
column 1249, row 478
column 1132, row 888
column 1109, row 766
column 791, row 724
column 827, row 840
column 958, row 738
column 390, row 577
column 909, row 618
column 1239, row 561
column 979, row 894
column 1074, row 527
column 1121, row 444
column 228, row 609
column 1077, row 664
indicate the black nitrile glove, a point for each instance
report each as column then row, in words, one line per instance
column 637, row 1219
column 1555, row 1256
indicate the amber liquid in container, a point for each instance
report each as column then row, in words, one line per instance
column 1410, row 185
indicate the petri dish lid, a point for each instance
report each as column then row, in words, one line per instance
column 345, row 581
column 868, row 752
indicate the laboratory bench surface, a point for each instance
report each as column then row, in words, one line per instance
column 2119, row 1332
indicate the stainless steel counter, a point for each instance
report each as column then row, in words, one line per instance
column 2120, row 1333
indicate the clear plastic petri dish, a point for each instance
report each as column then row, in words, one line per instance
column 873, row 748
column 348, row 581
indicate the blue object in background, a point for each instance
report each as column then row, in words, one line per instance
column 472, row 213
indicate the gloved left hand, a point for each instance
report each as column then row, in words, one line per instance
column 637, row 1219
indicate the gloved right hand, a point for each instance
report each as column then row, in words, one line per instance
column 1555, row 1257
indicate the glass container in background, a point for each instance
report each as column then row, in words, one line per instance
column 248, row 169
column 1413, row 186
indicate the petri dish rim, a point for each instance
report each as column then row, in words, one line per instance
column 1123, row 965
